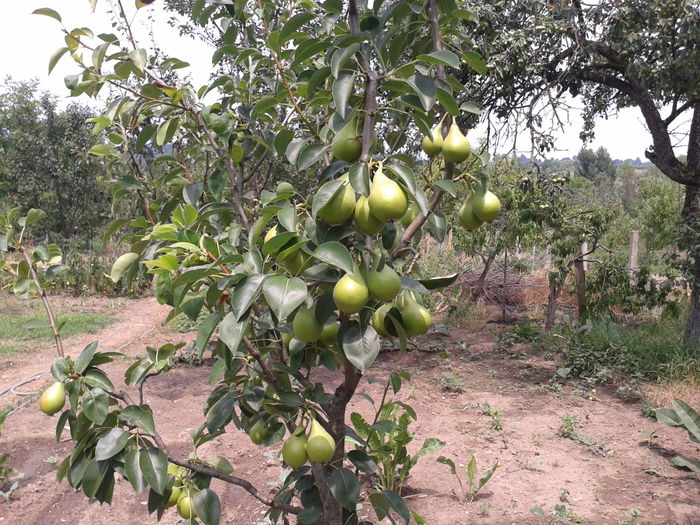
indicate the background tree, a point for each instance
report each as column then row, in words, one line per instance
column 45, row 163
column 610, row 55
column 594, row 165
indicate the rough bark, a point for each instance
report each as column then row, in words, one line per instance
column 554, row 292
column 580, row 276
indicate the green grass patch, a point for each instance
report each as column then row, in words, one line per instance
column 649, row 351
column 16, row 336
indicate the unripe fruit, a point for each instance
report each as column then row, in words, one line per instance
column 305, row 326
column 386, row 198
column 379, row 320
column 433, row 145
column 455, row 147
column 466, row 215
column 285, row 187
column 294, row 451
column 383, row 285
column 364, row 220
column 347, row 143
column 486, row 206
column 341, row 206
column 411, row 213
column 330, row 332
column 415, row 318
column 350, row 293
column 257, row 431
column 320, row 446
column 297, row 262
column 53, row 399
column 174, row 496
column 185, row 505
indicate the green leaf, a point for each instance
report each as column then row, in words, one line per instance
column 45, row 11
column 138, row 416
column 447, row 185
column 688, row 417
column 449, row 463
column 336, row 255
column 207, row 506
column 474, row 60
column 437, row 223
column 291, row 27
column 471, row 107
column 447, row 101
column 34, row 324
column 360, row 347
column 133, row 471
column 691, row 464
column 122, row 265
column 443, row 57
column 429, row 445
column 206, row 330
column 424, row 87
column 345, row 488
column 362, row 461
column 231, row 332
column 154, row 465
column 433, row 283
column 342, row 89
column 56, row 57
column 341, row 56
column 103, row 150
column 324, row 194
column 98, row 379
column 263, row 105
column 85, row 357
column 284, row 295
column 245, row 294
column 398, row 504
column 95, row 405
column 359, row 178
column 33, row 216
column 310, row 155
column 138, row 57
column 111, row 444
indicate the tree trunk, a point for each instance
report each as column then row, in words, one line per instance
column 481, row 281
column 580, row 276
column 634, row 251
column 690, row 236
column 554, row 292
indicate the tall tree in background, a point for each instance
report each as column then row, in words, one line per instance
column 45, row 164
column 609, row 55
column 595, row 164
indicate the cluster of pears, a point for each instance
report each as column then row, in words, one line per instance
column 317, row 447
column 179, row 494
column 414, row 318
column 454, row 147
column 386, row 201
column 481, row 206
column 53, row 399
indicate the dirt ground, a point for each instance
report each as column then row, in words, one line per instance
column 612, row 474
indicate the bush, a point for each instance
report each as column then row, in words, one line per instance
column 650, row 351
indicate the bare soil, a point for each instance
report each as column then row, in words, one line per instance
column 612, row 474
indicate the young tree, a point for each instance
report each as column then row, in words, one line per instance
column 611, row 55
column 292, row 280
column 594, row 165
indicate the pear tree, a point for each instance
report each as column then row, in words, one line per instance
column 336, row 96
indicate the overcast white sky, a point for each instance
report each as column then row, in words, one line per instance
column 27, row 41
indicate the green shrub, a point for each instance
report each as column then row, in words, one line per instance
column 649, row 351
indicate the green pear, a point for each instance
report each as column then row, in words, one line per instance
column 486, row 206
column 432, row 144
column 347, row 143
column 415, row 318
column 305, row 326
column 364, row 220
column 383, row 285
column 350, row 293
column 466, row 215
column 411, row 213
column 386, row 198
column 53, row 399
column 294, row 450
column 320, row 446
column 340, row 207
column 455, row 147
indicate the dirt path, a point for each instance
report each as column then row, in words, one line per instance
column 608, row 474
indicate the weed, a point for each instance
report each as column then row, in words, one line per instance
column 182, row 324
column 632, row 514
column 495, row 415
column 564, row 495
column 5, row 471
column 560, row 514
column 452, row 381
column 567, row 428
column 470, row 488
column 484, row 510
